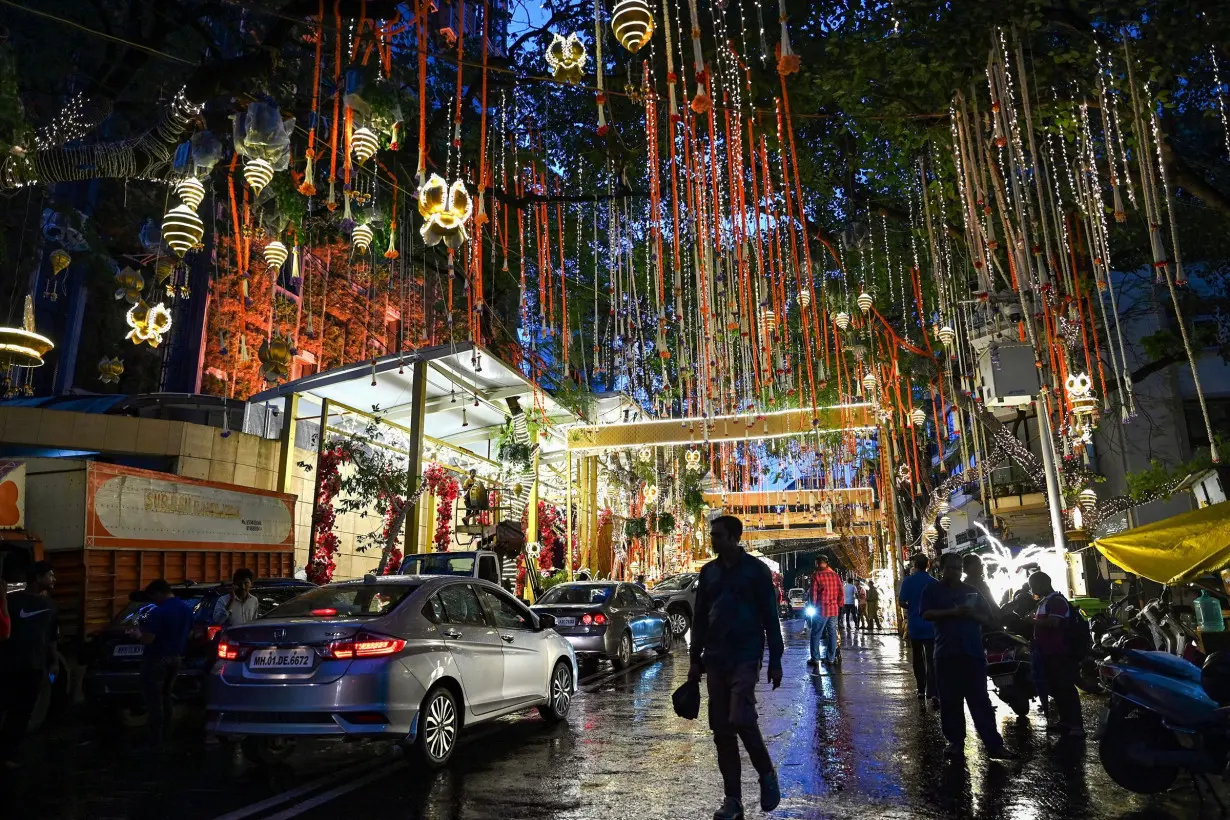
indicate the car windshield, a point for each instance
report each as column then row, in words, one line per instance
column 796, row 593
column 583, row 594
column 345, row 601
column 675, row 584
column 438, row 564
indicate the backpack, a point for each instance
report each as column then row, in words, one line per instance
column 1076, row 635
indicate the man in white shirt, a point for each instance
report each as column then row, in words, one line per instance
column 239, row 606
column 849, row 612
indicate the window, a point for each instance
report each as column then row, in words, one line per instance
column 461, row 606
column 576, row 595
column 349, row 600
column 440, row 563
column 488, row 569
column 643, row 599
column 507, row 614
column 675, row 584
column 626, row 598
column 433, row 610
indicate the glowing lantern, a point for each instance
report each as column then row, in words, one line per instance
column 804, row 298
column 110, row 370
column 364, row 142
column 182, row 229
column 943, row 507
column 148, row 324
column 362, row 238
column 1084, row 406
column 930, row 533
column 870, row 382
column 190, row 191
column 946, row 522
column 21, row 346
column 947, row 335
column 1088, row 498
column 692, row 460
column 842, row 320
column 257, row 173
column 918, row 417
column 768, row 318
column 445, row 210
column 129, row 284
column 275, row 354
column 60, row 260
column 275, row 254
column 566, row 58
column 645, row 455
column 651, row 493
column 632, row 24
column 865, row 302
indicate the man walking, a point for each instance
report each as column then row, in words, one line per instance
column 871, row 614
column 919, row 631
column 825, row 595
column 736, row 611
column 27, row 657
column 849, row 612
column 1060, row 665
column 959, row 613
column 164, row 633
column 239, row 606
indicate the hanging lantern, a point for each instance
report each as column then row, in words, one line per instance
column 651, row 493
column 632, row 24
column 843, row 320
column 865, row 302
column 182, row 229
column 1088, row 499
column 566, row 58
column 110, row 370
column 275, row 254
column 943, row 507
column 148, row 324
column 364, row 142
column 918, row 417
column 1084, row 406
column 930, row 533
column 21, row 346
column 692, row 460
column 768, row 319
column 947, row 335
column 275, row 354
column 190, row 191
column 60, row 260
column 257, row 173
column 445, row 209
column 362, row 238
column 804, row 298
column 946, row 523
column 870, row 382
column 128, row 285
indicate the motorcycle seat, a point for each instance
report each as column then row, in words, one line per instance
column 1164, row 663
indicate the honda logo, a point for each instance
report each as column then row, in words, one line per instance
column 279, row 634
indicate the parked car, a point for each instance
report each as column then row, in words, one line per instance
column 677, row 596
column 797, row 597
column 607, row 619
column 113, row 655
column 408, row 658
column 462, row 563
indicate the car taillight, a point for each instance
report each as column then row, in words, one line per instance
column 365, row 645
column 599, row 619
column 328, row 612
column 587, row 619
column 228, row 652
column 212, row 632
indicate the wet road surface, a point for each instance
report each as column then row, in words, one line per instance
column 855, row 743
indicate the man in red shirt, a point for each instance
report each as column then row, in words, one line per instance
column 826, row 597
column 1060, row 666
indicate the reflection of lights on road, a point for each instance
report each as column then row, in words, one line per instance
column 1005, row 571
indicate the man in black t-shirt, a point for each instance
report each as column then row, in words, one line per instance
column 26, row 657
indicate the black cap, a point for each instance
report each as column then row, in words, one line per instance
column 823, row 558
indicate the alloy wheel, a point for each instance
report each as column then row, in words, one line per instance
column 441, row 726
column 678, row 622
column 561, row 690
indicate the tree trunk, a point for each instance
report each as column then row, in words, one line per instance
column 390, row 540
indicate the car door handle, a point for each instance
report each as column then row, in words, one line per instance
column 507, row 638
column 452, row 634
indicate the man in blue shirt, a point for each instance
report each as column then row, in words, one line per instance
column 959, row 612
column 164, row 632
column 920, row 631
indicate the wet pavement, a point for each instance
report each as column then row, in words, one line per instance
column 855, row 743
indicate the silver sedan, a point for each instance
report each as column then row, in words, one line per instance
column 607, row 619
column 409, row 658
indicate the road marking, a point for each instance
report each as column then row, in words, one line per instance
column 307, row 788
column 336, row 792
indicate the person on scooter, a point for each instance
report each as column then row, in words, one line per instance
column 1059, row 663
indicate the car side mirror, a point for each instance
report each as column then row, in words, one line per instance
column 659, row 604
column 546, row 620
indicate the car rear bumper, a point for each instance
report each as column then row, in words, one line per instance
column 124, row 686
column 592, row 645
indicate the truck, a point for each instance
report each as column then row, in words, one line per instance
column 465, row 563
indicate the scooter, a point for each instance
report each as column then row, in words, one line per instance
column 1160, row 722
column 1008, row 668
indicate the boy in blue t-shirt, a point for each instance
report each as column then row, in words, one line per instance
column 920, row 632
column 164, row 632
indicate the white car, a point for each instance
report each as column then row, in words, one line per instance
column 798, row 600
column 409, row 658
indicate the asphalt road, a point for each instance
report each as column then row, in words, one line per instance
column 854, row 743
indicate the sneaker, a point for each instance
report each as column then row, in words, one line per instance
column 954, row 751
column 732, row 809
column 770, row 792
column 813, row 662
column 1000, row 753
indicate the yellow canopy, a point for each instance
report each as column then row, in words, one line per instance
column 1174, row 550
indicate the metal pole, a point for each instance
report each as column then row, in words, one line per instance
column 414, row 463
column 1054, row 492
column 320, row 449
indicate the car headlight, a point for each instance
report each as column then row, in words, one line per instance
column 810, row 611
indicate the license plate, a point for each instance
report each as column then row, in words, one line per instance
column 128, row 650
column 565, row 621
column 280, row 659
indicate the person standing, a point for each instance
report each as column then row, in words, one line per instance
column 919, row 631
column 825, row 595
column 975, row 576
column 871, row 613
column 849, row 611
column 164, row 632
column 27, row 658
column 736, row 612
column 959, row 614
column 861, row 615
column 239, row 606
column 1060, row 666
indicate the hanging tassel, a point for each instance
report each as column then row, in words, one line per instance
column 347, row 219
column 308, row 186
column 243, row 349
column 1160, row 264
column 373, row 372
column 391, row 252
column 1117, row 198
column 308, row 329
column 787, row 61
column 331, row 202
column 395, row 140
column 295, row 278
column 243, row 289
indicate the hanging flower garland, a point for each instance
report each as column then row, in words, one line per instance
column 321, row 564
column 392, row 504
column 549, row 522
column 443, row 485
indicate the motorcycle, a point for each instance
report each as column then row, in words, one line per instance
column 1009, row 670
column 1161, row 721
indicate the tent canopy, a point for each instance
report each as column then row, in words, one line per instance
column 1175, row 550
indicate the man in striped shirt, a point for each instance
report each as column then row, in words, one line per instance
column 826, row 597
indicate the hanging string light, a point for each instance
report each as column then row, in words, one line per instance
column 445, row 210
column 22, row 346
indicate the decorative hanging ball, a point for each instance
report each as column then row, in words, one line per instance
column 947, row 335
column 943, row 507
column 768, row 318
column 445, row 210
column 364, row 142
column 804, row 297
column 843, row 320
column 182, row 229
column 257, row 173
column 110, row 369
column 871, row 382
column 275, row 354
column 190, row 191
column 1088, row 499
column 918, row 417
column 362, row 238
column 632, row 24
column 275, row 254
column 566, row 58
column 865, row 302
column 946, row 523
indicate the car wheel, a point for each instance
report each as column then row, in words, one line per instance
column 439, row 721
column 668, row 640
column 679, row 621
column 268, row 750
column 559, row 694
column 624, row 659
